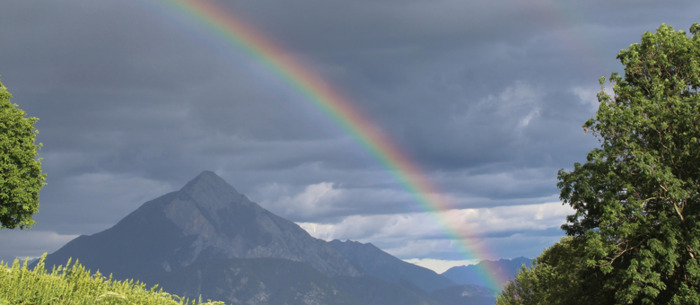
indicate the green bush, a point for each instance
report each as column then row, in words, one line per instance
column 75, row 285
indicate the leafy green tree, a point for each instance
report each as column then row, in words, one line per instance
column 635, row 233
column 637, row 198
column 21, row 178
column 557, row 276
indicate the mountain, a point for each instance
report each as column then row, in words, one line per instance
column 472, row 274
column 465, row 294
column 369, row 290
column 205, row 219
column 208, row 240
column 254, row 281
column 389, row 268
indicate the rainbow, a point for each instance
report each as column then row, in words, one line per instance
column 341, row 110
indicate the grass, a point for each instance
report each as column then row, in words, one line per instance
column 75, row 285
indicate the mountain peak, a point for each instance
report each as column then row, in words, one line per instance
column 209, row 191
column 206, row 174
column 206, row 219
column 208, row 180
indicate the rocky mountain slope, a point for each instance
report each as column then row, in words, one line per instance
column 384, row 266
column 206, row 219
column 208, row 240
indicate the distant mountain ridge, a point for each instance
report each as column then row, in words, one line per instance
column 208, row 240
column 471, row 274
column 389, row 268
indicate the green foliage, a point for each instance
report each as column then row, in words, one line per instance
column 76, row 286
column 635, row 235
column 20, row 170
column 558, row 276
column 637, row 198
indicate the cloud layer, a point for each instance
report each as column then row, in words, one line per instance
column 135, row 98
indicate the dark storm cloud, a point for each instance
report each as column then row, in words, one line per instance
column 135, row 99
column 101, row 46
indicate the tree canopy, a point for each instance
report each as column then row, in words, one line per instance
column 636, row 198
column 21, row 178
column 558, row 276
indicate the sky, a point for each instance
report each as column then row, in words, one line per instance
column 487, row 98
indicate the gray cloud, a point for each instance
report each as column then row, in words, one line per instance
column 30, row 244
column 135, row 99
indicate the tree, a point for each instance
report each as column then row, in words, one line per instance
column 21, row 178
column 637, row 198
column 635, row 233
column 557, row 276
